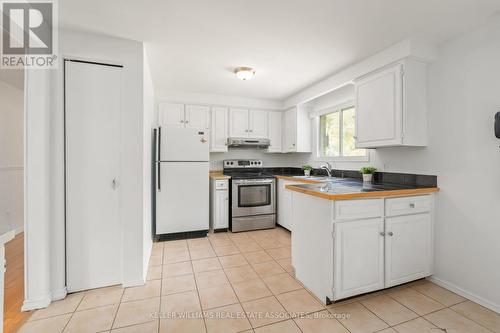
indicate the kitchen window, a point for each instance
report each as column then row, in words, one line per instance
column 336, row 136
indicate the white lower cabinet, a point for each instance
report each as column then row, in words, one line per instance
column 358, row 257
column 219, row 204
column 374, row 252
column 285, row 204
column 408, row 245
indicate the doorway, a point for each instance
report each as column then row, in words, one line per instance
column 12, row 195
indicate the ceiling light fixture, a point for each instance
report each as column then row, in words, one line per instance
column 244, row 73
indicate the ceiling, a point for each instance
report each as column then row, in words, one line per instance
column 193, row 45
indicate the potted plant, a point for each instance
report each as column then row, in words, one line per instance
column 307, row 170
column 368, row 173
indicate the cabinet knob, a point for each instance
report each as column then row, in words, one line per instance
column 382, row 233
column 355, row 137
column 391, row 233
column 412, row 205
column 187, row 121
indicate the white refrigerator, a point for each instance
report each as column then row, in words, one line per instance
column 181, row 180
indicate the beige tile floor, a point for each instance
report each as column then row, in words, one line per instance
column 228, row 282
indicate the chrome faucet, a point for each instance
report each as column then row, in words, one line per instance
column 328, row 167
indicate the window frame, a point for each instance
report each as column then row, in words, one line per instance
column 317, row 132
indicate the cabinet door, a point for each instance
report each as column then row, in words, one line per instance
column 379, row 109
column 238, row 123
column 222, row 209
column 358, row 257
column 281, row 197
column 274, row 132
column 287, row 209
column 258, row 124
column 290, row 128
column 408, row 248
column 171, row 115
column 219, row 129
column 197, row 116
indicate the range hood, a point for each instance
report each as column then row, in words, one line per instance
column 248, row 143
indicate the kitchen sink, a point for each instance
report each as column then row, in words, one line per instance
column 318, row 178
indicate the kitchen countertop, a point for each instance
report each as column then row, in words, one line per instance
column 345, row 189
column 218, row 175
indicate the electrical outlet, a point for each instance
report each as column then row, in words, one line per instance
column 213, row 165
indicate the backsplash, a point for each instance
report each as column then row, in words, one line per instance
column 268, row 159
column 379, row 177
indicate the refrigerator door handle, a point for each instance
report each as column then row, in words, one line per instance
column 158, row 145
column 158, row 176
column 158, row 160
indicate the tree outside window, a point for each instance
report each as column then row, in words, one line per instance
column 336, row 135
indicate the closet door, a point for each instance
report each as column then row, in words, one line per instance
column 93, row 229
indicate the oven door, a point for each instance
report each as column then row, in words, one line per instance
column 253, row 197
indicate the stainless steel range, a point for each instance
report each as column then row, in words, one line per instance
column 253, row 195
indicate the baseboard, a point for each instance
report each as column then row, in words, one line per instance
column 464, row 293
column 59, row 294
column 40, row 303
column 146, row 263
column 134, row 283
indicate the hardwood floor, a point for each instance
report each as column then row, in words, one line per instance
column 14, row 285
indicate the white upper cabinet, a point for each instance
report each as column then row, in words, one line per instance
column 180, row 115
column 274, row 132
column 289, row 129
column 238, row 123
column 258, row 124
column 297, row 135
column 219, row 129
column 197, row 116
column 391, row 106
column 171, row 115
column 244, row 123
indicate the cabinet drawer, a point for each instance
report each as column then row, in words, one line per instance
column 358, row 209
column 221, row 184
column 408, row 205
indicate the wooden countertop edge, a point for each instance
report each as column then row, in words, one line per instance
column 347, row 196
column 299, row 180
column 218, row 176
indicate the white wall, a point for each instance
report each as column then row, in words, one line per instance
column 38, row 231
column 148, row 123
column 464, row 95
column 11, row 157
column 463, row 89
column 129, row 54
column 84, row 46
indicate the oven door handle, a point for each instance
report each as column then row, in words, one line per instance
column 254, row 181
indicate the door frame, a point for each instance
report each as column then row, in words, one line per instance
column 120, row 171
